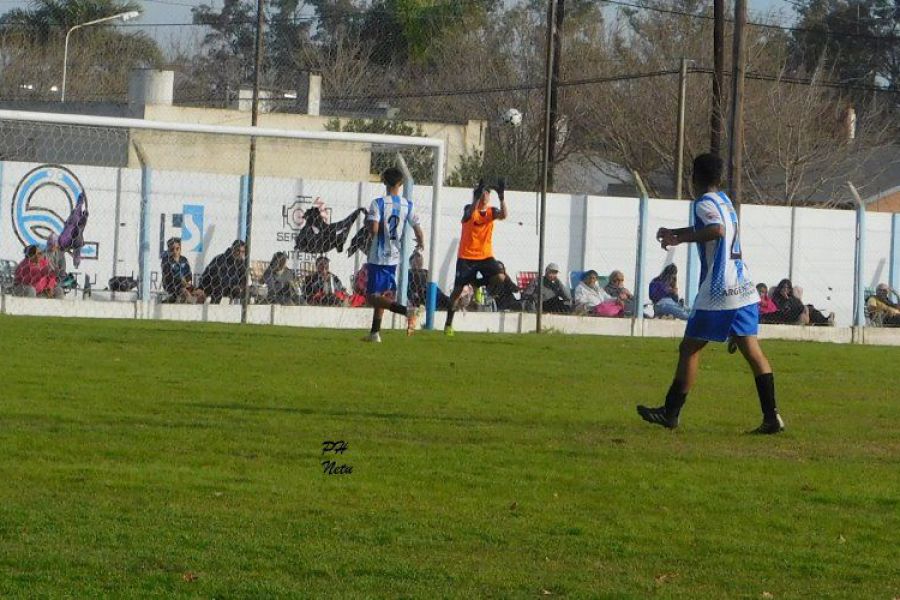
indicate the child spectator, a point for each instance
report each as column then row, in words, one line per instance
column 766, row 305
column 177, row 279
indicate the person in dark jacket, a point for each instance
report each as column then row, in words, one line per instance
column 554, row 295
column 226, row 275
column 324, row 288
column 417, row 292
column 177, row 278
column 791, row 310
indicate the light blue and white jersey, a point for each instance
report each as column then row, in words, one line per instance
column 725, row 282
column 392, row 214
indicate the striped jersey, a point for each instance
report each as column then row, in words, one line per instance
column 392, row 214
column 725, row 282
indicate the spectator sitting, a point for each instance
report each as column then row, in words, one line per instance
column 791, row 310
column 504, row 293
column 616, row 289
column 767, row 307
column 226, row 275
column 882, row 308
column 55, row 257
column 360, row 279
column 816, row 317
column 591, row 299
column 323, row 288
column 34, row 276
column 417, row 291
column 664, row 294
column 554, row 296
column 177, row 279
column 281, row 283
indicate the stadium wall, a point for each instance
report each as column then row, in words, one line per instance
column 582, row 231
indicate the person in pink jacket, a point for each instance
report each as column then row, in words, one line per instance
column 34, row 277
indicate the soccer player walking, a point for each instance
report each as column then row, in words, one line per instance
column 386, row 219
column 476, row 251
column 726, row 304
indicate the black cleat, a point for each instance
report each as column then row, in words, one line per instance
column 770, row 427
column 657, row 416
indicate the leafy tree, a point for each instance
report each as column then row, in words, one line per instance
column 419, row 160
column 99, row 61
column 857, row 39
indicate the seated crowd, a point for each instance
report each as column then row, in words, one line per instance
column 42, row 273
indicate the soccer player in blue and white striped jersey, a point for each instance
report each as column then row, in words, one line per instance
column 726, row 304
column 386, row 219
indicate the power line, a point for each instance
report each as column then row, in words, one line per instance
column 672, row 11
column 804, row 81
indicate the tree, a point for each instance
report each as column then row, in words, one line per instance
column 858, row 39
column 32, row 50
column 417, row 159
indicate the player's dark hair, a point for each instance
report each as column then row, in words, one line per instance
column 392, row 177
column 30, row 251
column 708, row 170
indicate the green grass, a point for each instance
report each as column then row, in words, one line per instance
column 155, row 459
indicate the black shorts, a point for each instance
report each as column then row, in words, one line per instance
column 467, row 271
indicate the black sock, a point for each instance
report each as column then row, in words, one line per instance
column 397, row 308
column 765, row 387
column 450, row 313
column 376, row 324
column 675, row 399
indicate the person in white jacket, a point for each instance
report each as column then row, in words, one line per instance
column 592, row 299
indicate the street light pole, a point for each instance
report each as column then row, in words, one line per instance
column 125, row 16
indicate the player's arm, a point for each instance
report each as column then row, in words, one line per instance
column 501, row 193
column 673, row 237
column 420, row 237
column 373, row 218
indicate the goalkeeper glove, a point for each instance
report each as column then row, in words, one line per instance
column 479, row 189
column 501, row 188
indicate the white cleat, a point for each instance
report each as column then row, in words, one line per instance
column 373, row 337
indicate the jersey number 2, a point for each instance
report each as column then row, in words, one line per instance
column 736, row 241
column 393, row 222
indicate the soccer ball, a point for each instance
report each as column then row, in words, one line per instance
column 512, row 117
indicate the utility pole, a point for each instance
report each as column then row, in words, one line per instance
column 736, row 138
column 545, row 158
column 717, row 119
column 554, row 89
column 679, row 142
column 251, row 171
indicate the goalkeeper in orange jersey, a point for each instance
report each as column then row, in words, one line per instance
column 475, row 263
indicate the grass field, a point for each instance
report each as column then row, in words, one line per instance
column 158, row 459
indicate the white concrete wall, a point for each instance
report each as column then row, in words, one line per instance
column 360, row 319
column 582, row 231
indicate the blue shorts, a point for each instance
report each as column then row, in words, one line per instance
column 718, row 325
column 380, row 278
